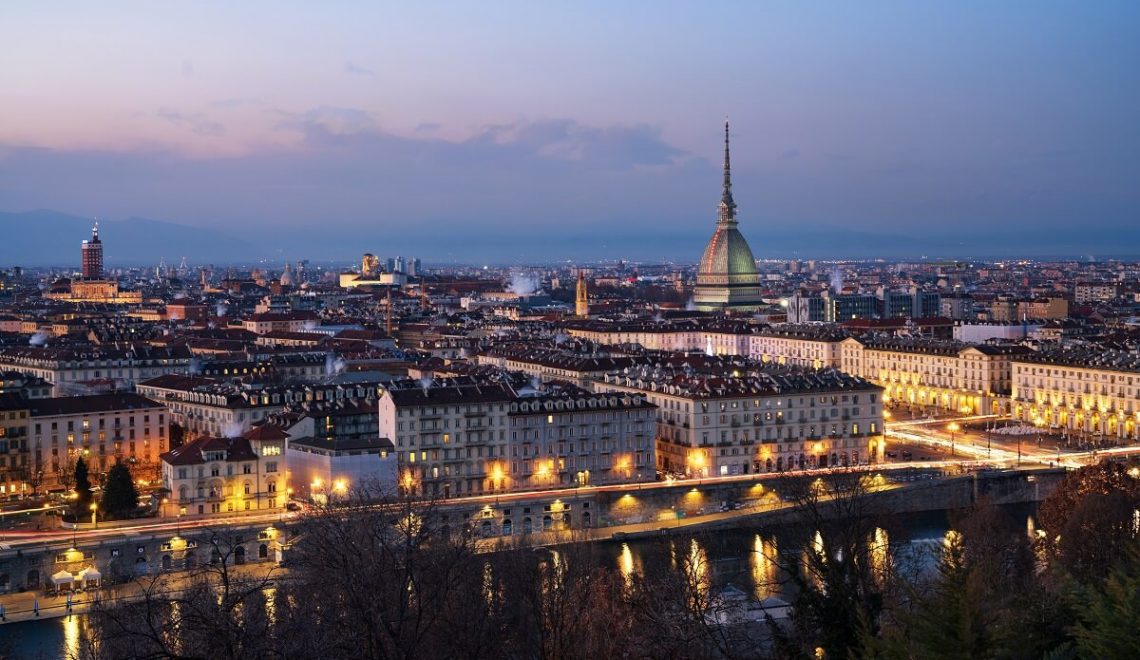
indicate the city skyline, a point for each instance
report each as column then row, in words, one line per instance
column 886, row 131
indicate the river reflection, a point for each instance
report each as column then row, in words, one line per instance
column 764, row 561
column 747, row 558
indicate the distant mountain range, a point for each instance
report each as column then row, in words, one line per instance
column 51, row 238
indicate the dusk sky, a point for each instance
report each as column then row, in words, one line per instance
column 585, row 130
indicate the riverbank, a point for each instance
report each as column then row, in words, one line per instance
column 889, row 498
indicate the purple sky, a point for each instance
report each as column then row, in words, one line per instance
column 577, row 130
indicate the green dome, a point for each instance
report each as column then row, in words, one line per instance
column 727, row 258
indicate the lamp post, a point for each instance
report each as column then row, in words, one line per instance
column 953, row 428
column 94, row 510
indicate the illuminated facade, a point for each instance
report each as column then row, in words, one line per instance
column 709, row 425
column 727, row 278
column 1095, row 393
column 813, row 346
column 972, row 379
column 580, row 438
column 450, row 436
column 93, row 256
column 462, row 436
column 14, row 446
column 582, row 299
column 102, row 428
column 211, row 476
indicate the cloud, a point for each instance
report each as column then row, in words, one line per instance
column 357, row 70
column 198, row 123
column 325, row 122
column 428, row 127
column 612, row 147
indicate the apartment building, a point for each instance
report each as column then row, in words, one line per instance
column 815, row 346
column 216, row 475
column 450, row 435
column 576, row 438
column 1090, row 391
column 208, row 406
column 67, row 369
column 949, row 375
column 473, row 435
column 714, row 337
column 766, row 419
column 103, row 428
column 551, row 364
column 15, row 447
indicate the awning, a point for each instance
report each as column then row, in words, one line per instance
column 90, row 573
column 62, row 577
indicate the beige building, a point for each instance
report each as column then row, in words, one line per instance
column 211, row 476
column 208, row 406
column 1004, row 309
column 267, row 322
column 102, row 428
column 578, row 438
column 551, row 364
column 1087, row 292
column 713, row 337
column 68, row 368
column 450, row 436
column 1087, row 391
column 465, row 436
column 812, row 346
column 953, row 376
column 15, row 447
column 762, row 421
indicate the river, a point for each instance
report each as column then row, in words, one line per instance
column 743, row 557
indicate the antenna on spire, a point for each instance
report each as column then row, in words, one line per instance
column 727, row 207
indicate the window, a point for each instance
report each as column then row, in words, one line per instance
column 271, row 466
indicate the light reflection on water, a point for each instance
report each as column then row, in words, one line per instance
column 71, row 636
column 743, row 557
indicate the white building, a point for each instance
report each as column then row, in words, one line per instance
column 69, row 368
column 816, row 346
column 211, row 475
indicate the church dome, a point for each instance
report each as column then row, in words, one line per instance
column 728, row 255
column 727, row 278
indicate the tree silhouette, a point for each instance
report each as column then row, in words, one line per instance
column 120, row 497
column 82, row 486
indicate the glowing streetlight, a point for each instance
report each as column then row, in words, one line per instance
column 953, row 428
column 94, row 510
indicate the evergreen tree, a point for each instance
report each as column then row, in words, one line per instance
column 82, row 487
column 120, row 497
column 1109, row 611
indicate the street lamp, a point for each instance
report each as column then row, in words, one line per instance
column 94, row 510
column 953, row 428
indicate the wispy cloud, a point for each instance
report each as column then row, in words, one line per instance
column 328, row 121
column 198, row 123
column 357, row 70
column 616, row 146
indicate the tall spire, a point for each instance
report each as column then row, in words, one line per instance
column 726, row 210
column 95, row 232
